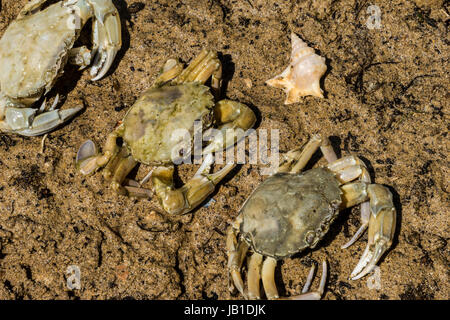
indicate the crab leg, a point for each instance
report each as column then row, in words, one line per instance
column 205, row 65
column 381, row 229
column 80, row 56
column 234, row 119
column 309, row 279
column 235, row 261
column 313, row 295
column 214, row 69
column 171, row 69
column 268, row 274
column 327, row 150
column 193, row 193
column 268, row 278
column 353, row 194
column 297, row 159
column 107, row 36
column 118, row 169
column 236, row 251
column 348, row 169
column 254, row 276
column 193, row 65
column 117, row 162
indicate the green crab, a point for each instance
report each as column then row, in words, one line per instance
column 291, row 211
column 176, row 101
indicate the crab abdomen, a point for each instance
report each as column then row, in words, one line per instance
column 289, row 212
column 153, row 126
column 33, row 50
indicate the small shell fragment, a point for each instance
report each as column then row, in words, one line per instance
column 302, row 76
column 248, row 82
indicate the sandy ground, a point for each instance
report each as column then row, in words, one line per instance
column 386, row 100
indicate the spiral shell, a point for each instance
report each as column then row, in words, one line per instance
column 302, row 76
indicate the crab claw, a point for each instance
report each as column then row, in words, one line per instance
column 107, row 37
column 24, row 122
column 381, row 229
column 86, row 160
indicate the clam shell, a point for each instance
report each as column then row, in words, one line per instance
column 302, row 76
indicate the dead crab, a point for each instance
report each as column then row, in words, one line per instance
column 34, row 50
column 291, row 211
column 176, row 100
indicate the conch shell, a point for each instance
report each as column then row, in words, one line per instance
column 302, row 76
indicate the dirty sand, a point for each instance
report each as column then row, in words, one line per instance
column 386, row 100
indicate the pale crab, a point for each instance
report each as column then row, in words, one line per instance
column 291, row 211
column 176, row 101
column 34, row 50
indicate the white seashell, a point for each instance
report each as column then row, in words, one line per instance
column 302, row 76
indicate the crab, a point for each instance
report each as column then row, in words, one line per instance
column 291, row 211
column 176, row 101
column 34, row 50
